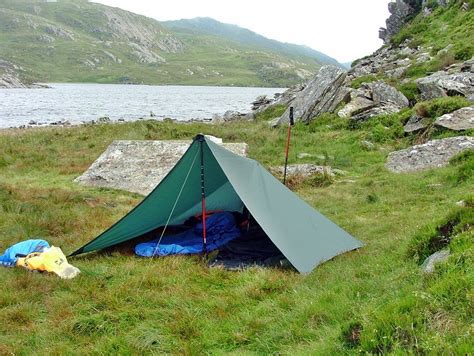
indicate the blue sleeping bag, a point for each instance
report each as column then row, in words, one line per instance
column 220, row 229
column 21, row 249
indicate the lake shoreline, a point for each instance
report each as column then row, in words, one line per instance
column 73, row 104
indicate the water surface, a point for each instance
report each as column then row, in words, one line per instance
column 85, row 102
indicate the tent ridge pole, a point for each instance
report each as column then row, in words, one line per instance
column 203, row 197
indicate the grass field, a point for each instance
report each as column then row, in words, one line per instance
column 374, row 300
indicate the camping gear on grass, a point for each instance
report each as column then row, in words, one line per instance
column 51, row 259
column 37, row 255
column 21, row 249
column 209, row 177
column 221, row 229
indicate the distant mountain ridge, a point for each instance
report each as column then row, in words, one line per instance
column 79, row 41
column 246, row 37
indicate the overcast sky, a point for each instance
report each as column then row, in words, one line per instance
column 343, row 29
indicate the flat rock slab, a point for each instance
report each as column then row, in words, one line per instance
column 305, row 170
column 433, row 154
column 138, row 166
column 459, row 120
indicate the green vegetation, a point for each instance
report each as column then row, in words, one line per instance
column 80, row 41
column 369, row 301
column 410, row 90
column 356, row 83
column 440, row 106
column 444, row 27
column 271, row 113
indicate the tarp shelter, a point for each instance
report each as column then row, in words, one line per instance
column 229, row 182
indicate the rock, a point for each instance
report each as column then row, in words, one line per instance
column 355, row 106
column 429, row 264
column 322, row 94
column 461, row 204
column 401, row 11
column 304, row 155
column 459, row 120
column 274, row 122
column 433, row 154
column 289, row 95
column 231, row 115
column 468, row 66
column 445, row 50
column 383, row 93
column 32, row 122
column 138, row 166
column 103, row 120
column 441, row 84
column 305, row 170
column 369, row 146
column 416, row 123
column 373, row 99
column 262, row 100
column 10, row 77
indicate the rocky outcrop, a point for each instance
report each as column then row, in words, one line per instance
column 402, row 11
column 138, row 166
column 322, row 94
column 372, row 99
column 433, row 154
column 10, row 77
column 444, row 83
column 459, row 120
column 392, row 61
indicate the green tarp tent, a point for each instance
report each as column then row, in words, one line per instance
column 304, row 236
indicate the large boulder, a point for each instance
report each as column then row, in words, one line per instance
column 433, row 154
column 372, row 99
column 459, row 120
column 138, row 166
column 442, row 84
column 322, row 94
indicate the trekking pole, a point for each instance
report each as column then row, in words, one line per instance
column 290, row 124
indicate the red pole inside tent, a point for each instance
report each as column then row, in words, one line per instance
column 203, row 198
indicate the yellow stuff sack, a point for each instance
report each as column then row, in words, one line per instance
column 50, row 260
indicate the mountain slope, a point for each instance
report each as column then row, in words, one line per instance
column 78, row 41
column 206, row 25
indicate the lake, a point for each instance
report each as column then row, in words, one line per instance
column 85, row 102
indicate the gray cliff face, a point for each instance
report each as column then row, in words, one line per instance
column 402, row 11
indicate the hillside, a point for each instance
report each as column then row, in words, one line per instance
column 78, row 41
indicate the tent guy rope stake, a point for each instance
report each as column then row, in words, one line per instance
column 287, row 149
column 203, row 198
